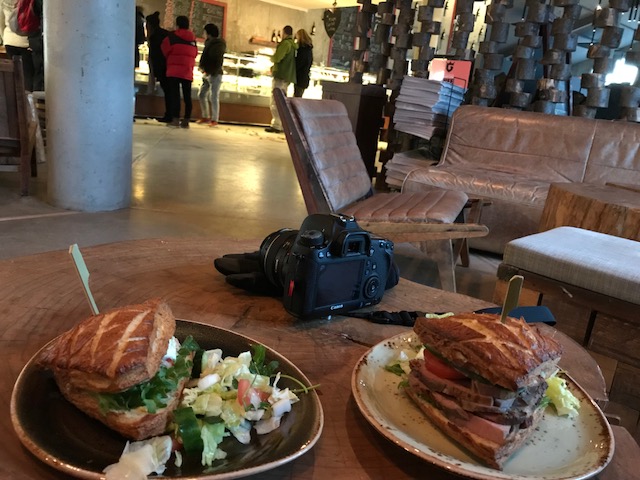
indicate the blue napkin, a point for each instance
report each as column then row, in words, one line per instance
column 530, row 314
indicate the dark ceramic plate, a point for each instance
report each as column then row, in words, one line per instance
column 66, row 439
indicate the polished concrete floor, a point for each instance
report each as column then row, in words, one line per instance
column 234, row 181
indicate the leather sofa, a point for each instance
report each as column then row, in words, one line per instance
column 510, row 158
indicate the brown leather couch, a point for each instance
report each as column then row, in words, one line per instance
column 511, row 157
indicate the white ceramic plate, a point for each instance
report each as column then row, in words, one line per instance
column 560, row 449
column 66, row 439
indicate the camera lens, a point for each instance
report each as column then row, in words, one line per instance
column 371, row 287
column 273, row 252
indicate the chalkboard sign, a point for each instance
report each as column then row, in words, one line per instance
column 342, row 41
column 208, row 11
column 331, row 20
column 199, row 13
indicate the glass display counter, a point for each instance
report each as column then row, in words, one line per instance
column 245, row 93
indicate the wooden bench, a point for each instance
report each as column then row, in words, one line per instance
column 17, row 129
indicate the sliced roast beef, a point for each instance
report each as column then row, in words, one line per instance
column 484, row 428
column 456, row 388
column 443, row 402
column 491, row 390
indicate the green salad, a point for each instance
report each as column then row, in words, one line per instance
column 226, row 397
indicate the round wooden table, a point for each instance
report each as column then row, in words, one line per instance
column 41, row 297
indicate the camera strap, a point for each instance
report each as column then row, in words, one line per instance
column 531, row 314
column 403, row 318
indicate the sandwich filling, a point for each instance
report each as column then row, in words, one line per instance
column 153, row 394
column 484, row 409
column 482, row 381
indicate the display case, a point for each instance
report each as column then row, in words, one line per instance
column 245, row 93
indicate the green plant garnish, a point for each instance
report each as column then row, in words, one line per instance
column 395, row 368
column 258, row 358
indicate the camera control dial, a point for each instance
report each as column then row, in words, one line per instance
column 312, row 238
column 371, row 287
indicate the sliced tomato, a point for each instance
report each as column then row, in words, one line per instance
column 440, row 368
column 245, row 393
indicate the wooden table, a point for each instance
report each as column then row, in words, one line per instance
column 610, row 209
column 41, row 297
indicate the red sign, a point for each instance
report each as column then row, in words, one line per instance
column 457, row 72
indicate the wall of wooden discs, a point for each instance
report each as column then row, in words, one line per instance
column 406, row 36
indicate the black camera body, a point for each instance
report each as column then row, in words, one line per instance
column 329, row 266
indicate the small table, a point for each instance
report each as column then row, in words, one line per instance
column 610, row 209
column 41, row 297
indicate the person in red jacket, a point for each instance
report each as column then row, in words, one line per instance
column 180, row 50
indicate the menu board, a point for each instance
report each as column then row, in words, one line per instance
column 208, row 11
column 342, row 41
column 199, row 12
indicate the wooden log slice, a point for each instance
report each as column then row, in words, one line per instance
column 611, row 36
column 598, row 97
column 605, row 17
column 565, row 41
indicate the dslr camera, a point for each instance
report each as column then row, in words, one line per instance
column 329, row 266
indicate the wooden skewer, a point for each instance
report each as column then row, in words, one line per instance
column 83, row 273
column 513, row 296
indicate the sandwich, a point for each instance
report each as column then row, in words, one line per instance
column 123, row 367
column 482, row 382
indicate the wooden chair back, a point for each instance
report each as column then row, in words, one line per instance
column 326, row 157
column 15, row 137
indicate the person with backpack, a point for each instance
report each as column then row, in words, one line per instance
column 180, row 50
column 16, row 41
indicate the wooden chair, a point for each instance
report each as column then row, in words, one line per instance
column 17, row 130
column 333, row 179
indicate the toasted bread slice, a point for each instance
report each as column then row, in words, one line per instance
column 488, row 452
column 511, row 354
column 114, row 350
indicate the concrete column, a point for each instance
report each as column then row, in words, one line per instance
column 89, row 98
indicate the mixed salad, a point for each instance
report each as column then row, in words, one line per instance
column 227, row 396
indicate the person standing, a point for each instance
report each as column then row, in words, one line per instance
column 304, row 59
column 36, row 44
column 211, row 62
column 283, row 72
column 16, row 45
column 139, row 35
column 157, row 63
column 180, row 50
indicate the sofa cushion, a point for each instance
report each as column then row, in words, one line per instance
column 477, row 180
column 591, row 260
column 428, row 206
column 615, row 154
column 553, row 148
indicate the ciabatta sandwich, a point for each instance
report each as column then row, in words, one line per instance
column 123, row 367
column 481, row 381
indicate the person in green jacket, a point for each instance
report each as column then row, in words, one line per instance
column 283, row 72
